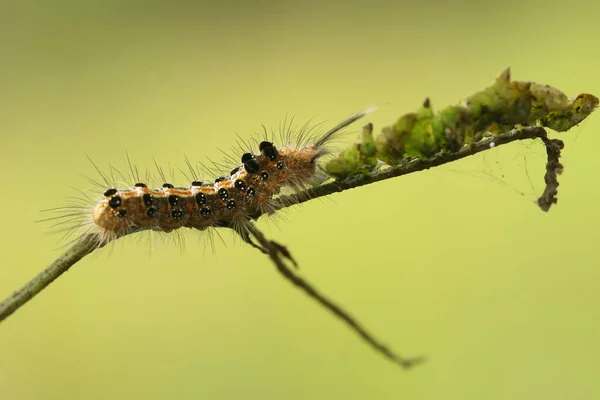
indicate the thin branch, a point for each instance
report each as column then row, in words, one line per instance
column 553, row 167
column 46, row 277
column 275, row 251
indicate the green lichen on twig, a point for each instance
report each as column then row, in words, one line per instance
column 498, row 109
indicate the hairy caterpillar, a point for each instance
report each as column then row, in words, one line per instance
column 227, row 201
column 497, row 109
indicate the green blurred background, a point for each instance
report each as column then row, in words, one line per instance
column 455, row 263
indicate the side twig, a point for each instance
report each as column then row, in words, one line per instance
column 553, row 169
column 276, row 251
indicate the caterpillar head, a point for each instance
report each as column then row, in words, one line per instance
column 275, row 167
column 293, row 166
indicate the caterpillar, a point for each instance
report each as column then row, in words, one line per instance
column 497, row 109
column 227, row 201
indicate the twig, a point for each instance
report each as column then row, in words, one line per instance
column 276, row 250
column 57, row 268
column 553, row 169
column 553, row 147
